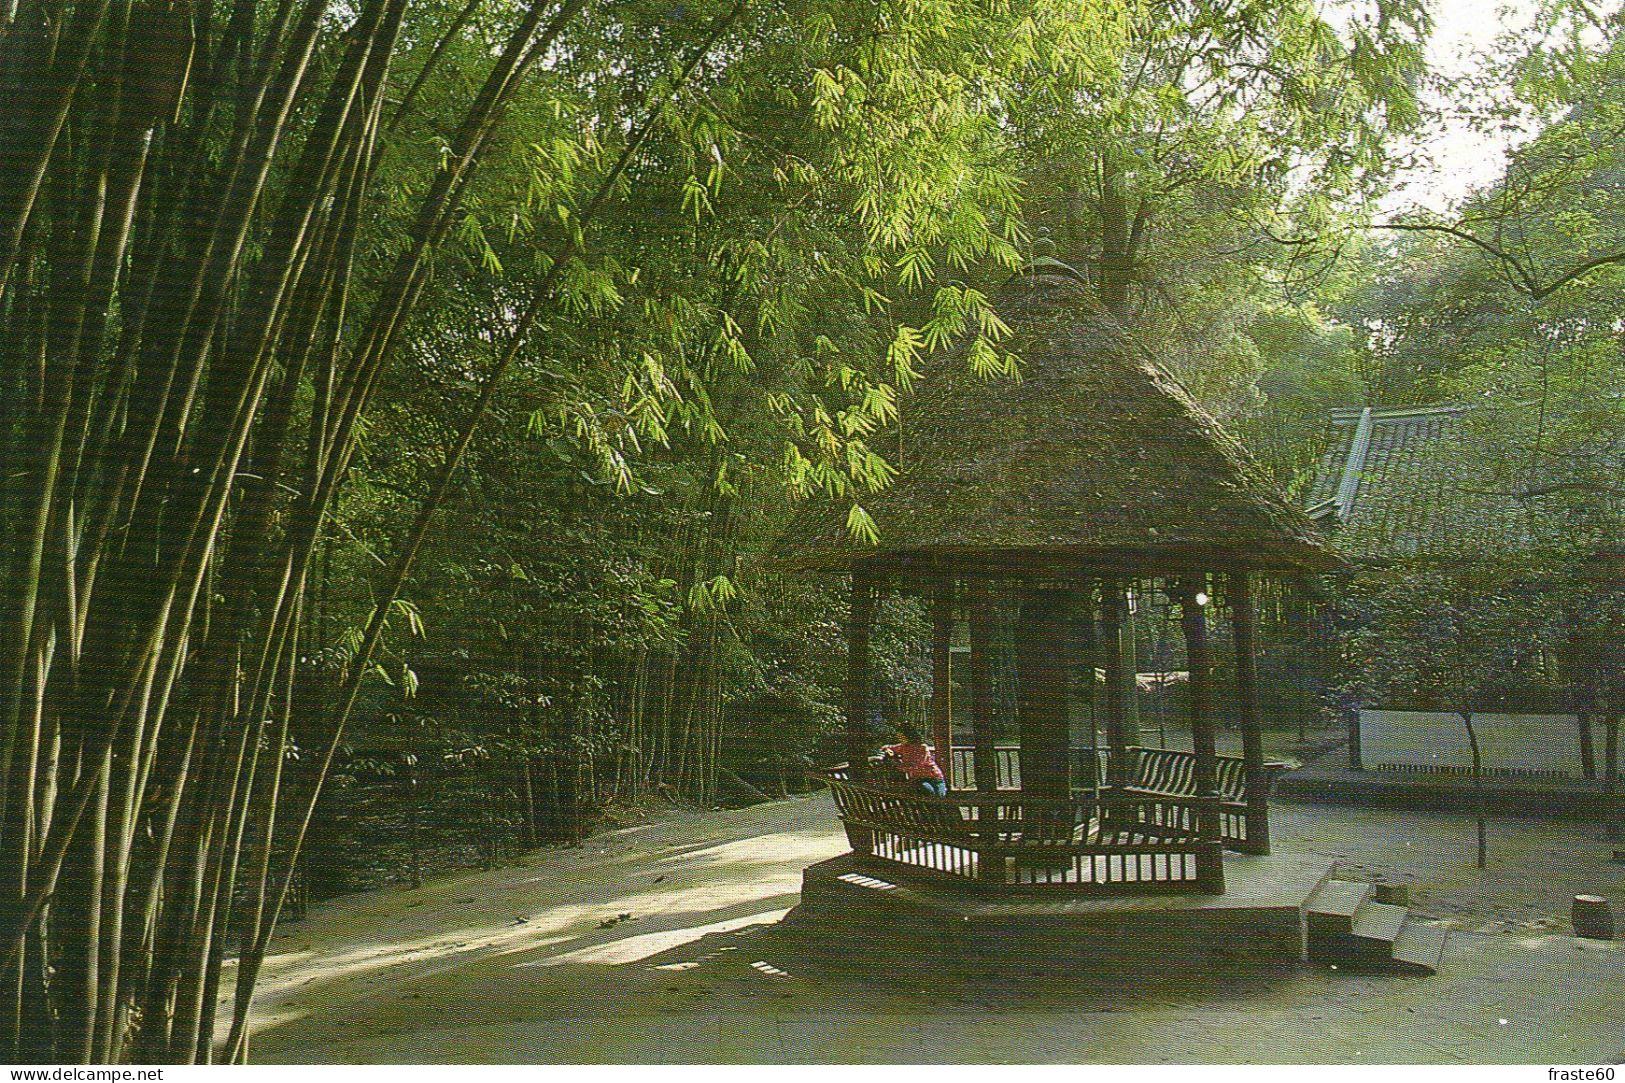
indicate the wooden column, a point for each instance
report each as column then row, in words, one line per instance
column 1193, row 620
column 859, row 623
column 1080, row 661
column 1041, row 694
column 1113, row 616
column 1239, row 588
column 942, row 631
column 1129, row 637
column 981, row 686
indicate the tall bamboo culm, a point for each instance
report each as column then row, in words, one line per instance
column 189, row 348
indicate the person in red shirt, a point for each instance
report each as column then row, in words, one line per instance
column 914, row 760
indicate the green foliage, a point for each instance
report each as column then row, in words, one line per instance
column 1307, row 368
column 1215, row 128
column 1465, row 637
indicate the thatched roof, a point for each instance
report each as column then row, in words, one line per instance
column 1095, row 459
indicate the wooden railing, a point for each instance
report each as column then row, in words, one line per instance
column 1163, row 770
column 1088, row 846
column 1155, row 772
column 1088, row 766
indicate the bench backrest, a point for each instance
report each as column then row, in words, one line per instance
column 906, row 812
column 1232, row 776
column 1164, row 770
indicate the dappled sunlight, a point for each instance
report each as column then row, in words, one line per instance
column 633, row 949
column 539, row 929
column 762, row 966
column 779, row 846
column 870, row 882
column 577, row 907
column 791, row 848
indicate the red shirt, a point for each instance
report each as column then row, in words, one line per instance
column 915, row 761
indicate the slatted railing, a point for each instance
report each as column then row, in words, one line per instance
column 1112, row 845
column 1088, row 764
column 1157, row 772
column 1167, row 771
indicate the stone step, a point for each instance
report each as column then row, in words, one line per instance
column 1377, row 926
column 1348, row 926
column 1332, row 907
column 1419, row 948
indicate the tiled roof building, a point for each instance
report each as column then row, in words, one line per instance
column 1398, row 483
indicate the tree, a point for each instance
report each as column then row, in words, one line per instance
column 1308, row 369
column 1452, row 637
column 1214, row 130
column 240, row 243
column 1552, row 221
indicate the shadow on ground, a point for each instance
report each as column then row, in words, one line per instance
column 535, row 964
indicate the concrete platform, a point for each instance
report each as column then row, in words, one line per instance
column 1258, row 921
column 1329, row 779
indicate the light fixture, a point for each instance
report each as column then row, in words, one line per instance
column 1201, row 597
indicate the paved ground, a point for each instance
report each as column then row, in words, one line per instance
column 1329, row 779
column 534, row 963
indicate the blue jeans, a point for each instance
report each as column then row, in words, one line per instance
column 932, row 787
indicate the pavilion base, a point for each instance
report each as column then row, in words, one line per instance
column 879, row 909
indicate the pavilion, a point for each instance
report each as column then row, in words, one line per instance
column 1044, row 499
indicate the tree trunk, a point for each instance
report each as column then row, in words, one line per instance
column 1480, row 808
column 985, row 755
column 1588, row 754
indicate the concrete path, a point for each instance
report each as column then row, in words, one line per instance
column 535, row 963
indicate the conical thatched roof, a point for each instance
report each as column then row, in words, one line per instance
column 1095, row 459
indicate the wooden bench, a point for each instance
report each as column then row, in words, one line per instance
column 1164, row 772
column 1088, row 766
column 1011, row 841
column 1154, row 772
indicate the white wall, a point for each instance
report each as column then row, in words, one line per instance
column 1511, row 744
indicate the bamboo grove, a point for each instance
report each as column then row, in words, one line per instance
column 246, row 246
column 148, row 658
column 219, row 221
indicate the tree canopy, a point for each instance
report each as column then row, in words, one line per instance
column 399, row 398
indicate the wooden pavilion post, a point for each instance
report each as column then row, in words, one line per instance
column 1041, row 694
column 1080, row 657
column 860, row 622
column 1244, row 622
column 1193, row 620
column 860, row 619
column 1113, row 617
column 981, row 685
column 942, row 631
